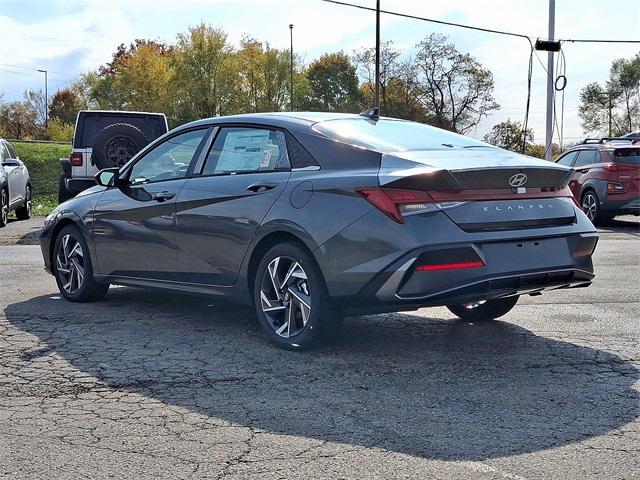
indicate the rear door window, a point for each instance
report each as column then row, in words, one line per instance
column 247, row 150
column 587, row 157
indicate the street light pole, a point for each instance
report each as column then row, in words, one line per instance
column 550, row 85
column 291, row 69
column 46, row 99
column 377, row 99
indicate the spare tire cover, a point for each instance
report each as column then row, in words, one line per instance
column 116, row 144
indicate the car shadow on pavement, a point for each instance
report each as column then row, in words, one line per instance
column 430, row 387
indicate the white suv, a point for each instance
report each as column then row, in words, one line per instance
column 104, row 139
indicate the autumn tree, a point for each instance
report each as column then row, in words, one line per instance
column 64, row 105
column 454, row 87
column 18, row 120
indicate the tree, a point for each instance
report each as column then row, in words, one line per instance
column 454, row 87
column 60, row 131
column 65, row 105
column 509, row 135
column 264, row 77
column 136, row 79
column 37, row 102
column 205, row 76
column 333, row 83
column 613, row 108
column 18, row 120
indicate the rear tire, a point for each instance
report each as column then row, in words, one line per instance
column 291, row 299
column 73, row 269
column 489, row 310
column 24, row 212
column 590, row 204
column 63, row 193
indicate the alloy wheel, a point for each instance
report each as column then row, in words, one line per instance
column 70, row 265
column 120, row 150
column 590, row 206
column 4, row 207
column 285, row 297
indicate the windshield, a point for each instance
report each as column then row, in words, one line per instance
column 388, row 135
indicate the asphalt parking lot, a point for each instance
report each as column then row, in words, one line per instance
column 148, row 385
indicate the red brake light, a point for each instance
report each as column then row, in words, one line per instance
column 75, row 159
column 388, row 200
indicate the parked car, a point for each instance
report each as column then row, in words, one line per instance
column 632, row 135
column 311, row 216
column 15, row 185
column 606, row 181
column 104, row 139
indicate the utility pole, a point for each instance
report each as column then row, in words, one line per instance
column 550, row 81
column 291, row 69
column 377, row 99
column 46, row 99
column 610, row 111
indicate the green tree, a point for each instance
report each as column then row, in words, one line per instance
column 613, row 108
column 64, row 105
column 205, row 75
column 264, row 77
column 60, row 131
column 509, row 135
column 333, row 84
column 455, row 88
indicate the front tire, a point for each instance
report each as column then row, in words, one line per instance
column 4, row 207
column 73, row 269
column 482, row 312
column 24, row 212
column 291, row 299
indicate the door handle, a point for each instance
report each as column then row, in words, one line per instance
column 162, row 196
column 257, row 187
column 582, row 170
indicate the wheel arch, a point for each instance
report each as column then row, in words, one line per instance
column 266, row 242
column 60, row 224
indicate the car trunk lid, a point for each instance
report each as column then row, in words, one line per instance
column 485, row 188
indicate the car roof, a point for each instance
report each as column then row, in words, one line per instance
column 281, row 119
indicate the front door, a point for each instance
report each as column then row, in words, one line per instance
column 222, row 205
column 134, row 224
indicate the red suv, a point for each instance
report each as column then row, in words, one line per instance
column 606, row 181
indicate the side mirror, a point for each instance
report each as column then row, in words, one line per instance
column 10, row 162
column 107, row 177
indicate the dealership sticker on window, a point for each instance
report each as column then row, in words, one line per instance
column 266, row 158
column 243, row 150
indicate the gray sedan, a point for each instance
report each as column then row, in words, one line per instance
column 15, row 185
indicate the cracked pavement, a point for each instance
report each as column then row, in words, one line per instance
column 154, row 385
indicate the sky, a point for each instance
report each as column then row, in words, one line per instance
column 70, row 37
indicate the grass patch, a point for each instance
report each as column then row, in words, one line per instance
column 42, row 160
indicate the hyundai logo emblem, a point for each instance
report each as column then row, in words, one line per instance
column 518, row 180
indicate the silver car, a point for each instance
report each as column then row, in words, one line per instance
column 15, row 185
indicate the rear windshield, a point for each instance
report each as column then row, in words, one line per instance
column 627, row 155
column 388, row 135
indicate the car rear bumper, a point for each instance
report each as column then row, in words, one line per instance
column 613, row 206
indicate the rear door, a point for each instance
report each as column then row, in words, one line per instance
column 134, row 225
column 16, row 175
column 224, row 202
column 585, row 168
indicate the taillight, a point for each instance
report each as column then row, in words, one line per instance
column 397, row 203
column 75, row 159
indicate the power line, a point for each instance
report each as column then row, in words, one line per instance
column 432, row 20
column 598, row 41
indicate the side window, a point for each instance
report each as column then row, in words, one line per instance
column 568, row 159
column 587, row 157
column 4, row 153
column 12, row 153
column 247, row 149
column 169, row 160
